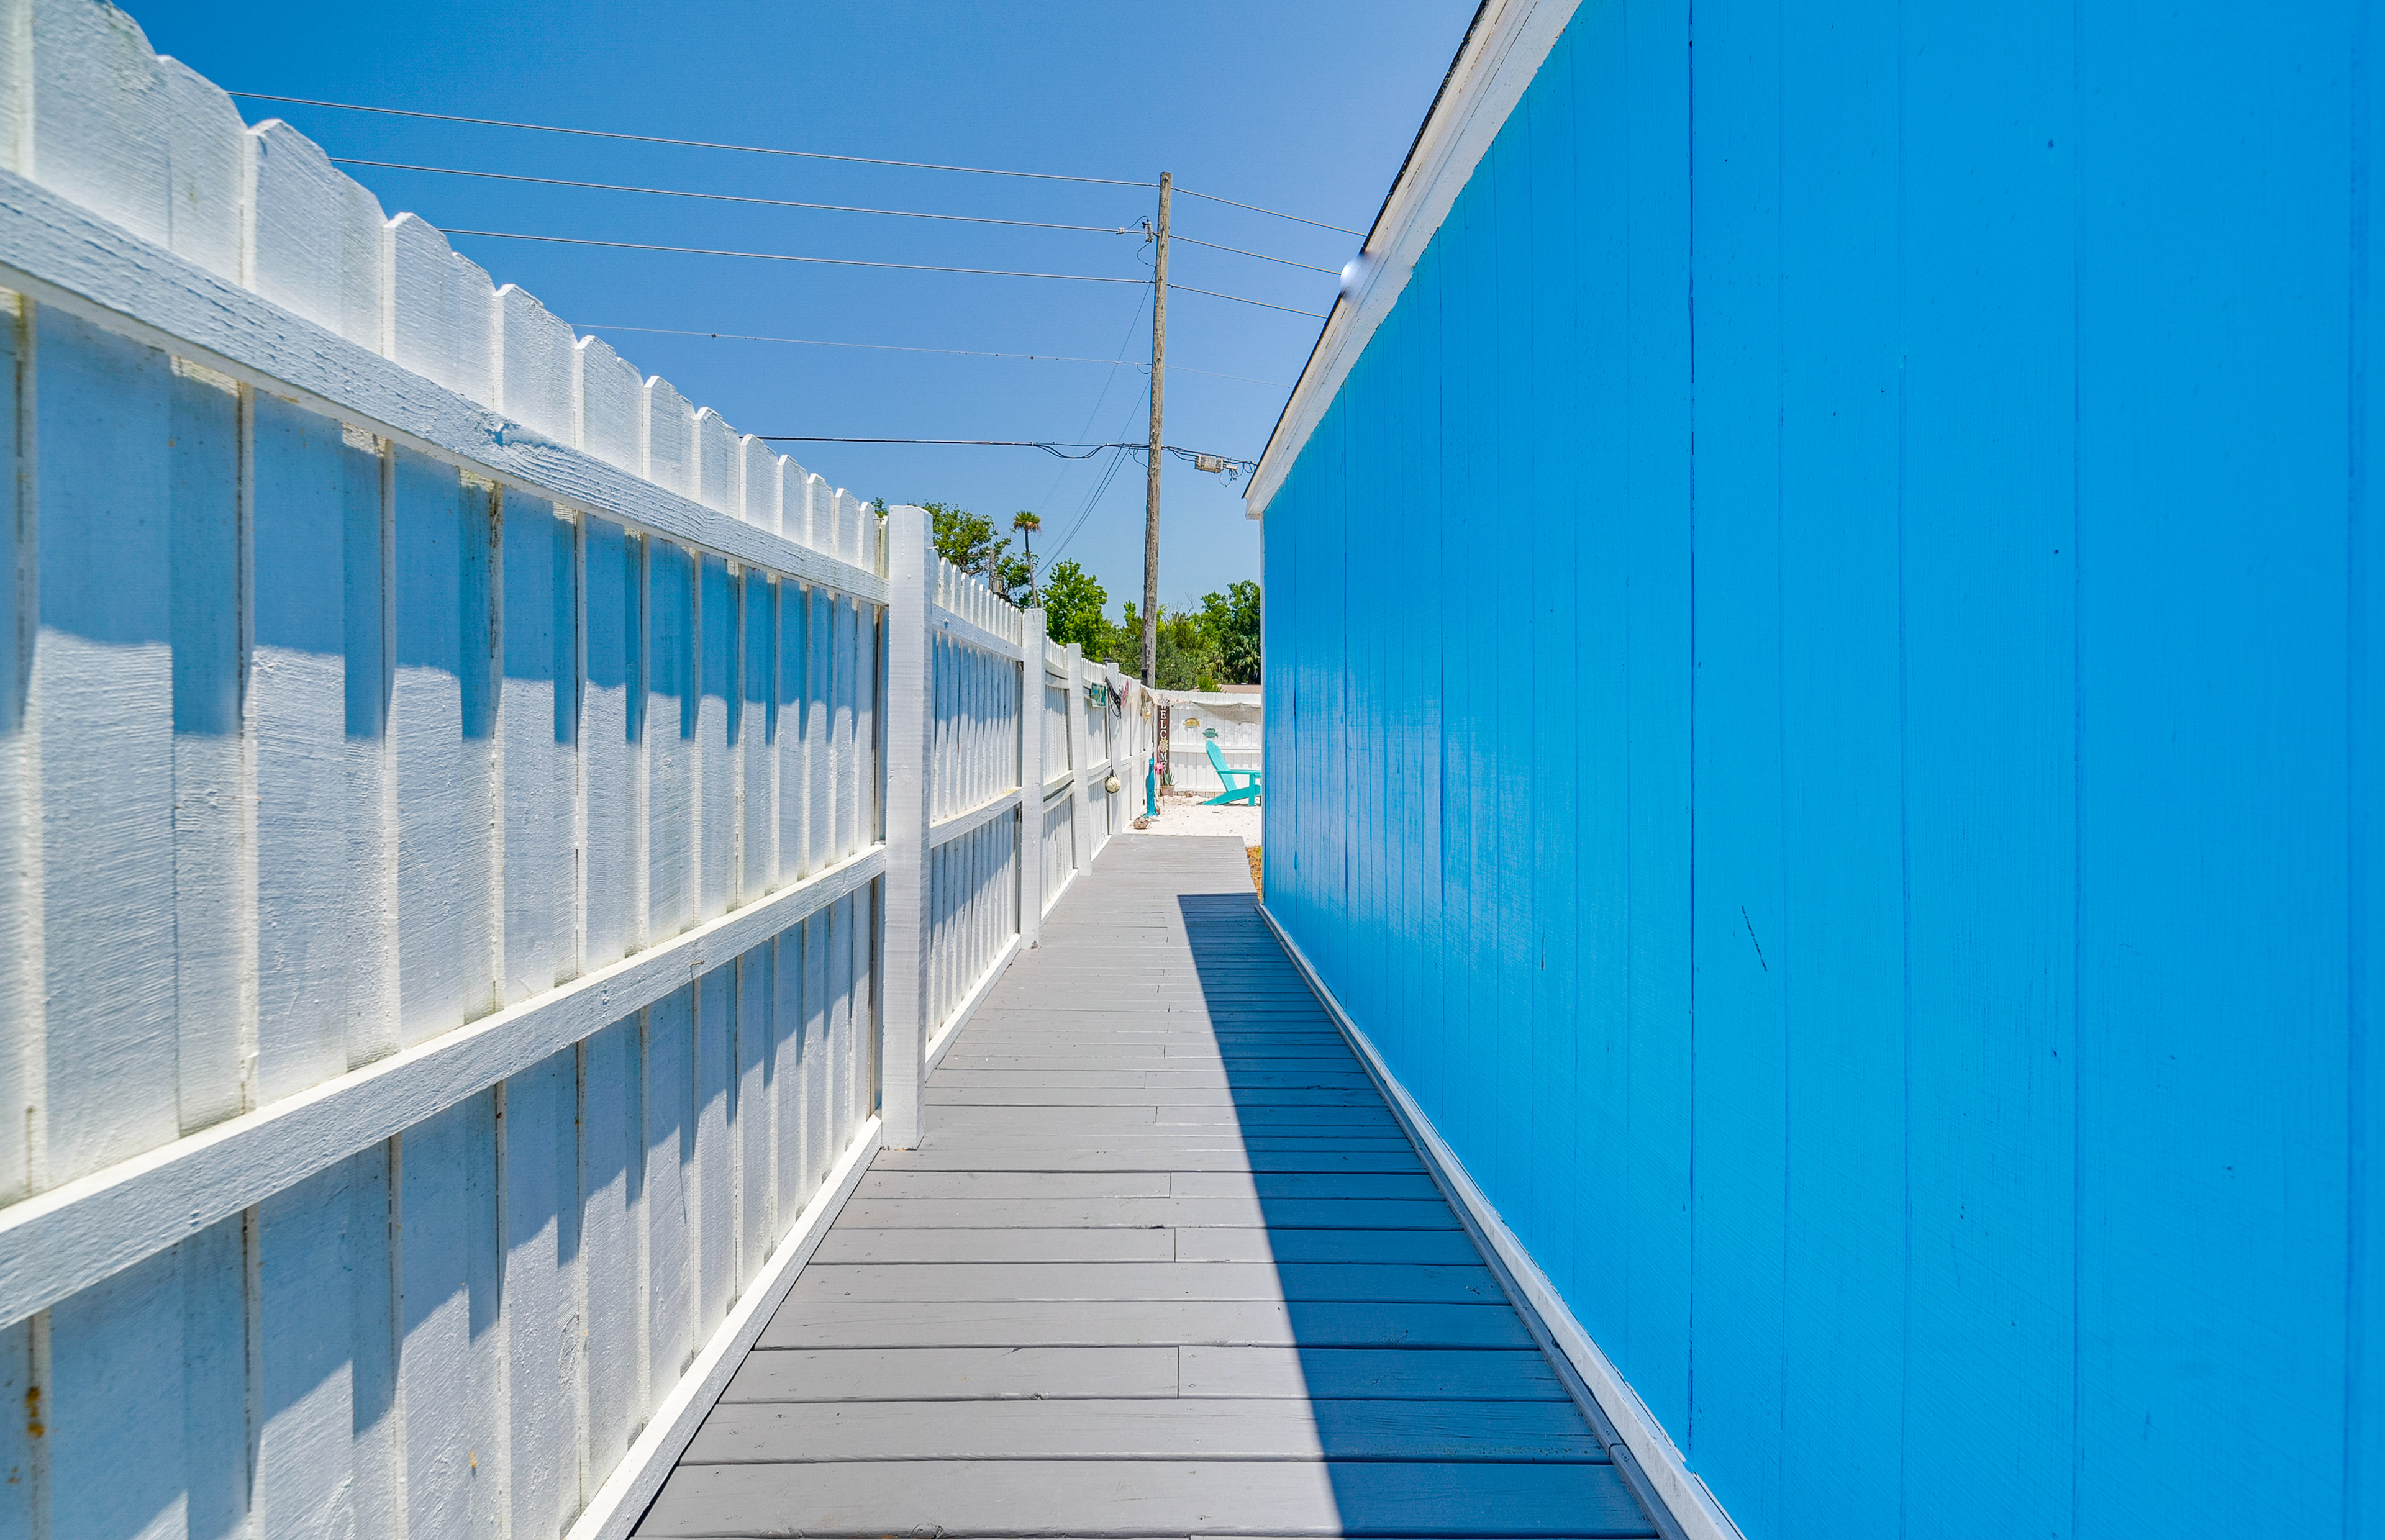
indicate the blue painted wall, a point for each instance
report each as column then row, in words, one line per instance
column 1824, row 675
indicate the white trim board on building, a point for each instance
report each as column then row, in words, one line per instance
column 1502, row 53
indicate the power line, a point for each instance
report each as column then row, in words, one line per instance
column 1057, row 447
column 1252, row 207
column 856, row 262
column 734, row 198
column 686, row 144
column 1108, row 380
column 1049, row 446
column 897, row 347
column 797, row 203
column 832, row 208
column 1263, row 257
column 878, row 347
column 1085, row 509
column 824, row 261
column 1187, row 288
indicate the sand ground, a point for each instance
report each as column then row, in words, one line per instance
column 1186, row 815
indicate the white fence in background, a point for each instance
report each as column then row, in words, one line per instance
column 1238, row 720
column 447, row 803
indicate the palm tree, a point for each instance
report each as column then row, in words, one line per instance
column 1027, row 523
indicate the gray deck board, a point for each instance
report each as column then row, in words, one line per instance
column 1064, row 1213
column 1165, row 1264
column 972, row 1282
column 956, row 1245
column 1367, row 1373
column 1222, row 1245
column 807, row 1322
column 1106, row 1096
column 1145, row 1429
column 1128, row 1498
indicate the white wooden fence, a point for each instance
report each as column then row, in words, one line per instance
column 479, row 841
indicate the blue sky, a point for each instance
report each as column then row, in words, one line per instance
column 1303, row 105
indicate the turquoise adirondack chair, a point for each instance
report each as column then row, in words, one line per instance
column 1246, row 793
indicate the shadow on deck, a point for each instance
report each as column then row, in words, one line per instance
column 1166, row 1264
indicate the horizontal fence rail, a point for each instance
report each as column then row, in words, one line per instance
column 455, row 797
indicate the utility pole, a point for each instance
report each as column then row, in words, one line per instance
column 1151, row 495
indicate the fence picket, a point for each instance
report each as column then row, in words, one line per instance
column 532, row 364
column 758, row 483
column 312, row 238
column 668, row 438
column 716, row 463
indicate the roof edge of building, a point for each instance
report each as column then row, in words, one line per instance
column 1502, row 52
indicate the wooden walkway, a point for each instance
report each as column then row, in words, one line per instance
column 1166, row 1266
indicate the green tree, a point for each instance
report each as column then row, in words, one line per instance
column 964, row 538
column 1073, row 600
column 1027, row 521
column 1231, row 623
column 1185, row 659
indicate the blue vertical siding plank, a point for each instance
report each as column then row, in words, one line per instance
column 1550, row 1149
column 1736, row 1422
column 1502, row 1007
column 1446, row 543
column 1595, row 787
column 1655, row 1251
column 2211, row 797
column 2364, row 1423
column 1330, row 575
column 1420, row 986
column 1362, row 685
column 1460, row 1073
column 1312, row 779
column 1340, row 742
column 1389, row 780
column 1382, row 711
column 1504, row 1126
column 1467, row 931
column 1990, row 633
column 1841, row 947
